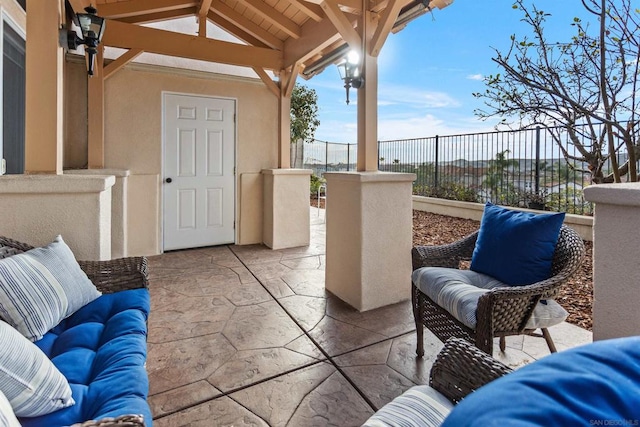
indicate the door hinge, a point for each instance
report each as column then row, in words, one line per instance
column 234, row 225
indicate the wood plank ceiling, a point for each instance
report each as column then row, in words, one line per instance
column 292, row 36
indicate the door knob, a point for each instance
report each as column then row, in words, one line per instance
column 168, row 180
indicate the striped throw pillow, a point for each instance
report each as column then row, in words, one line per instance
column 40, row 287
column 7, row 417
column 30, row 381
column 420, row 406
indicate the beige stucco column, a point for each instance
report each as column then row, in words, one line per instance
column 286, row 222
column 369, row 229
column 36, row 208
column 616, row 276
column 119, row 194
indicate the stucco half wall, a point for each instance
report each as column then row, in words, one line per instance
column 468, row 210
column 36, row 208
column 134, row 140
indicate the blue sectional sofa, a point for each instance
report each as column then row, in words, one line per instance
column 101, row 348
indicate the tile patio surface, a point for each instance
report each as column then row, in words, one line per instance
column 247, row 336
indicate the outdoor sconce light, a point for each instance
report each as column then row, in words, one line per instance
column 349, row 69
column 92, row 27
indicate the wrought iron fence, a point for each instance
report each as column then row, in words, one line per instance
column 524, row 168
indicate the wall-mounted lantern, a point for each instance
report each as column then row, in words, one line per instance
column 349, row 69
column 92, row 27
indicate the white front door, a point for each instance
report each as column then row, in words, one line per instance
column 199, row 163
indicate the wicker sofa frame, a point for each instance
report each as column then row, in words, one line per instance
column 501, row 312
column 460, row 369
column 108, row 276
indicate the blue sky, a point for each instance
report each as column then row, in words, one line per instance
column 429, row 70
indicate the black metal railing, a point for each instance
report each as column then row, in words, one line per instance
column 524, row 168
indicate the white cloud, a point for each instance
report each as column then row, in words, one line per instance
column 402, row 126
column 412, row 97
column 475, row 77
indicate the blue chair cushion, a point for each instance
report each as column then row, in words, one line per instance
column 101, row 349
column 516, row 247
column 595, row 384
column 457, row 291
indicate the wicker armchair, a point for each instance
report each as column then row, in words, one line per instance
column 501, row 311
column 108, row 276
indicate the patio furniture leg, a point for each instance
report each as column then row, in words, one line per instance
column 417, row 317
column 420, row 338
column 547, row 338
column 503, row 344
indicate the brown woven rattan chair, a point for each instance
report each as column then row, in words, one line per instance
column 108, row 276
column 501, row 311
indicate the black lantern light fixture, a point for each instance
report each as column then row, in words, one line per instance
column 349, row 69
column 92, row 27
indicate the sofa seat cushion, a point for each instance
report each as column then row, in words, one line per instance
column 420, row 406
column 458, row 292
column 594, row 384
column 101, row 350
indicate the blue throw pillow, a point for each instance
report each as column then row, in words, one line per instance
column 596, row 384
column 516, row 247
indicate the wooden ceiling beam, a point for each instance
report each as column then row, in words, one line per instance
column 291, row 80
column 316, row 36
column 385, row 24
column 273, row 16
column 351, row 5
column 127, row 36
column 342, row 24
column 159, row 16
column 203, row 10
column 246, row 25
column 204, row 7
column 235, row 30
column 115, row 65
column 124, row 9
column 271, row 85
column 79, row 5
column 311, row 10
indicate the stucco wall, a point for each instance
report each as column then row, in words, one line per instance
column 133, row 139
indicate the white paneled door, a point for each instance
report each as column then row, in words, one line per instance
column 199, row 162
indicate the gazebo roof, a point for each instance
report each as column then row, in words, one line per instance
column 299, row 36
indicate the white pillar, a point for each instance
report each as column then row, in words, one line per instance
column 616, row 276
column 369, row 237
column 286, row 222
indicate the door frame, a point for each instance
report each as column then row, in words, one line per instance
column 164, row 94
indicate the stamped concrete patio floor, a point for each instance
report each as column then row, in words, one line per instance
column 247, row 336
